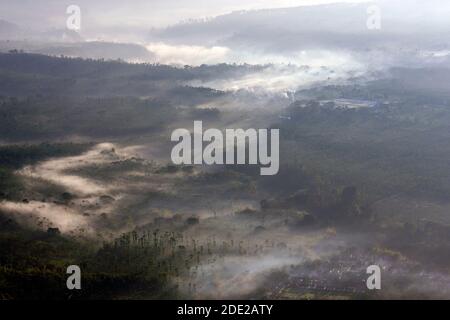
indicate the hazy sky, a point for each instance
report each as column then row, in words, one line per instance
column 133, row 13
column 298, row 36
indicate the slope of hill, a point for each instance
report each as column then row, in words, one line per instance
column 334, row 25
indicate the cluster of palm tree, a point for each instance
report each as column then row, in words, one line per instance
column 174, row 258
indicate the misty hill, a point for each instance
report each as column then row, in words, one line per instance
column 71, row 44
column 321, row 26
column 99, row 50
column 13, row 32
column 66, row 42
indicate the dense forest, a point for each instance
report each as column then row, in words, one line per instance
column 86, row 179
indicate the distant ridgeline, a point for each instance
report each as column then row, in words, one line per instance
column 23, row 74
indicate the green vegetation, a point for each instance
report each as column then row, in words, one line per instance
column 141, row 227
column 33, row 266
column 389, row 150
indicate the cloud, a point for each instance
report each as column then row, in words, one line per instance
column 188, row 55
column 290, row 72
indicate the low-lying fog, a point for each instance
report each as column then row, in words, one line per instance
column 130, row 184
column 112, row 178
